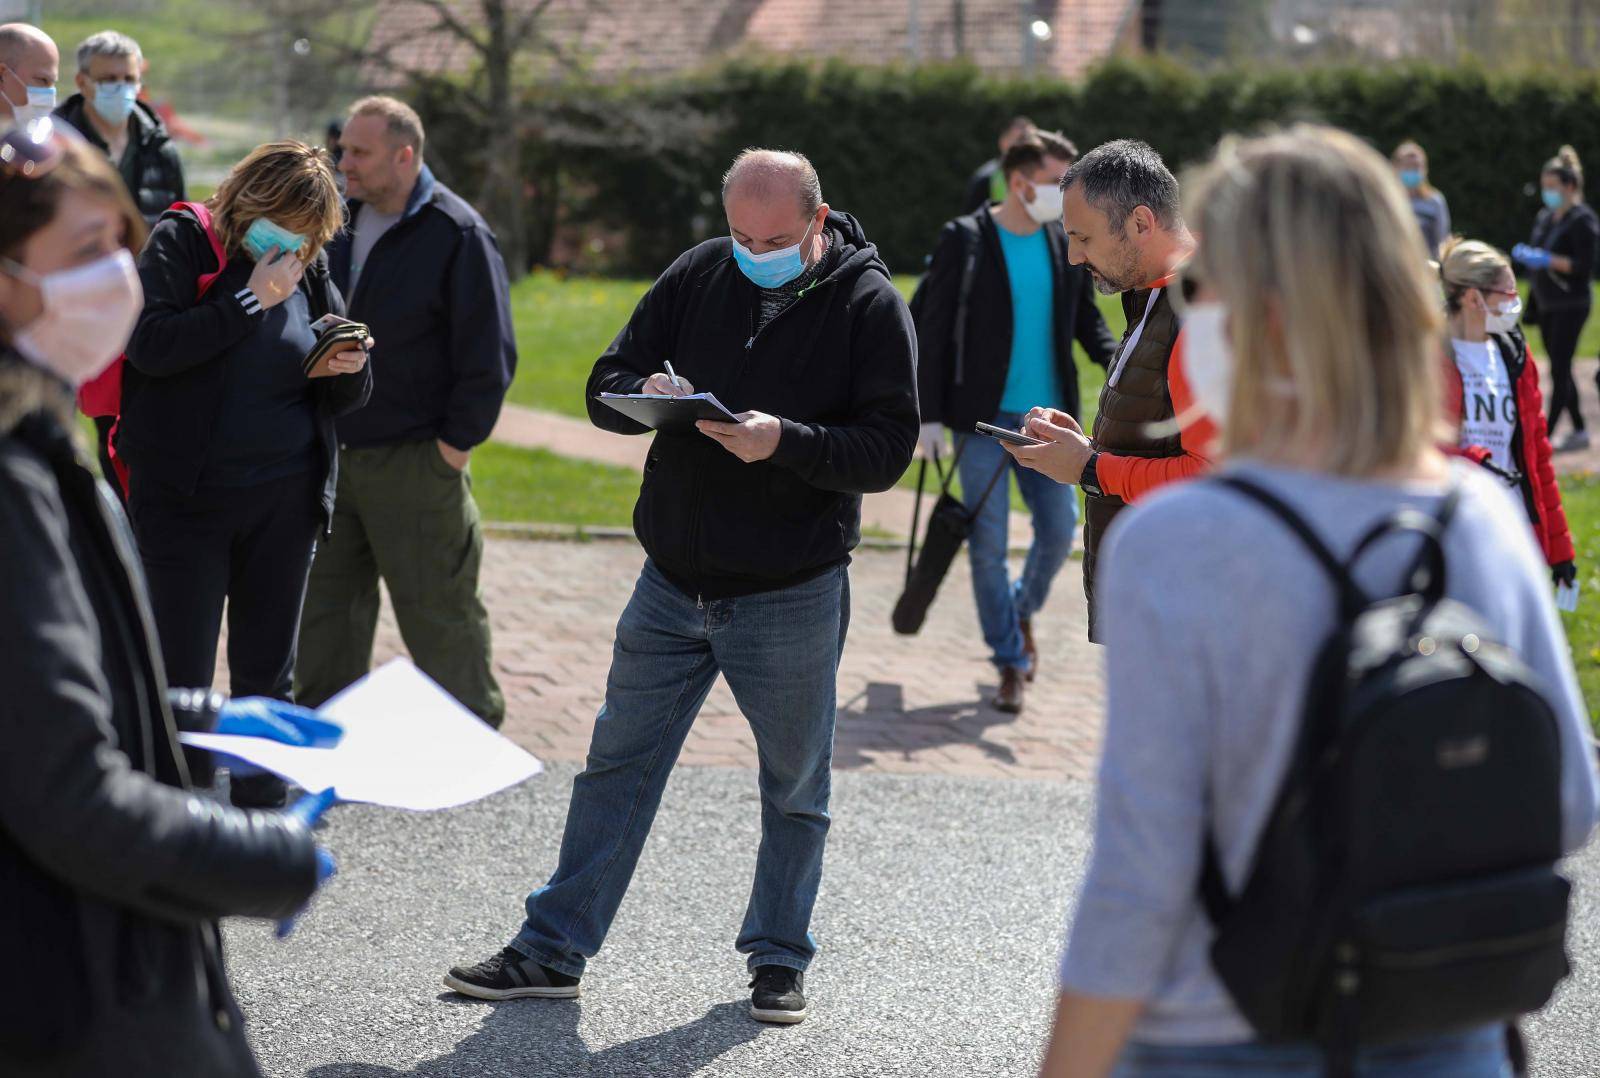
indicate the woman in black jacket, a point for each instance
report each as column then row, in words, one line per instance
column 231, row 450
column 1561, row 254
column 112, row 872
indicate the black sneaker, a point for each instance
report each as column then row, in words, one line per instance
column 778, row 995
column 509, row 975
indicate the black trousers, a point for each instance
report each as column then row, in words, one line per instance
column 1560, row 331
column 248, row 546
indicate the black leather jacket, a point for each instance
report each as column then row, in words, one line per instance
column 112, row 871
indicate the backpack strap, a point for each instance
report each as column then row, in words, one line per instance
column 202, row 213
column 1426, row 576
column 1351, row 600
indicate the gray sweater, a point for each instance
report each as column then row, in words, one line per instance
column 1212, row 614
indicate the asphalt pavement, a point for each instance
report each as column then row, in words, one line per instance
column 939, row 923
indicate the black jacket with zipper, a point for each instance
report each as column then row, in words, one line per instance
column 838, row 367
column 112, row 872
column 960, row 383
column 178, row 359
column 150, row 167
column 435, row 294
column 1576, row 234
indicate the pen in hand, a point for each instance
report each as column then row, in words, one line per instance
column 673, row 375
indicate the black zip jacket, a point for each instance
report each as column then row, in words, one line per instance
column 112, row 872
column 151, row 168
column 434, row 292
column 838, row 367
column 1576, row 235
column 178, row 366
column 960, row 387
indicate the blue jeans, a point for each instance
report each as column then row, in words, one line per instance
column 1002, row 604
column 780, row 652
column 1478, row 1054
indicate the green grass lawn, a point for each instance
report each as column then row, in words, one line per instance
column 535, row 486
column 1581, row 496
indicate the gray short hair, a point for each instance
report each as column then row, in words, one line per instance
column 107, row 43
column 767, row 172
column 1120, row 176
column 400, row 120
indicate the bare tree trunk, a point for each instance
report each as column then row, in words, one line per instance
column 501, row 197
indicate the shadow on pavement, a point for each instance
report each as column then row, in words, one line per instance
column 876, row 720
column 540, row 1038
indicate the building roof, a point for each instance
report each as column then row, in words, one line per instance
column 619, row 38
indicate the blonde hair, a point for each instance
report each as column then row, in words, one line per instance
column 1465, row 264
column 290, row 184
column 400, row 119
column 1424, row 187
column 1308, row 240
column 1565, row 167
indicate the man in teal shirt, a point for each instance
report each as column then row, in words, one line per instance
column 995, row 336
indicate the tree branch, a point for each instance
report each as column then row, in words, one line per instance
column 450, row 22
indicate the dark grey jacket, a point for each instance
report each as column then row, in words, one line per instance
column 112, row 872
column 151, row 168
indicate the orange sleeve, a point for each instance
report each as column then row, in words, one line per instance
column 1131, row 478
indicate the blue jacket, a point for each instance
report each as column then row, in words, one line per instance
column 435, row 294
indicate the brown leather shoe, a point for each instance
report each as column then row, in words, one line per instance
column 1029, row 652
column 1009, row 698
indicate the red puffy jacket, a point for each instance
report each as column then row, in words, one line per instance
column 1530, row 446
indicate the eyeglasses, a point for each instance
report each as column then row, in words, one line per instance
column 1499, row 291
column 32, row 150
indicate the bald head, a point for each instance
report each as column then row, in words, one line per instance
column 28, row 58
column 772, row 176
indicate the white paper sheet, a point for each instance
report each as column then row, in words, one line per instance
column 407, row 744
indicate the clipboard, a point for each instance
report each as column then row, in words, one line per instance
column 673, row 415
column 338, row 337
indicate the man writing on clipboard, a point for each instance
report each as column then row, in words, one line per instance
column 1123, row 220
column 793, row 323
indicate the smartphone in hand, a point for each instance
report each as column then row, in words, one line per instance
column 1003, row 435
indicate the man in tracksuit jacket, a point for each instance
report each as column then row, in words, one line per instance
column 419, row 267
column 795, row 327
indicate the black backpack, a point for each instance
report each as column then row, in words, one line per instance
column 1405, row 884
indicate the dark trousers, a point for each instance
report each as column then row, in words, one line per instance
column 248, row 546
column 1560, row 331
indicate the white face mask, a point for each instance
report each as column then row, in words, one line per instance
column 88, row 314
column 1046, row 204
column 1208, row 358
column 41, row 103
column 1503, row 319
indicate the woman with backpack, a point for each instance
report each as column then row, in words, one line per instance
column 230, row 446
column 1561, row 254
column 113, row 872
column 1492, row 391
column 1316, row 352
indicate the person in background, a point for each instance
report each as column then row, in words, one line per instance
column 107, row 111
column 988, row 184
column 113, row 872
column 30, row 64
column 1427, row 203
column 1124, row 223
column 1319, row 357
column 1492, row 391
column 335, row 150
column 230, row 446
column 1561, row 255
column 1025, row 306
column 422, row 269
column 748, row 529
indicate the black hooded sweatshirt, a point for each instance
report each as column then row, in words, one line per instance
column 838, row 367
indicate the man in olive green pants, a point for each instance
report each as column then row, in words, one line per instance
column 422, row 270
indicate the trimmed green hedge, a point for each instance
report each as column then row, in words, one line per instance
column 895, row 146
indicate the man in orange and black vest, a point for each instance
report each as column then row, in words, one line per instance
column 1123, row 221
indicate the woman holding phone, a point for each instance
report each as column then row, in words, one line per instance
column 230, row 447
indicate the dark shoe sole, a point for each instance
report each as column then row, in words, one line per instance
column 1009, row 709
column 777, row 1018
column 466, row 988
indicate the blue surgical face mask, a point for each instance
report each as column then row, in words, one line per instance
column 1411, row 177
column 114, row 100
column 1553, row 198
column 775, row 268
column 263, row 236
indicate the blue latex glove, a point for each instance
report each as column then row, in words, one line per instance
column 1535, row 258
column 258, row 716
column 308, row 810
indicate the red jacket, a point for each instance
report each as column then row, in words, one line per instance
column 1530, row 446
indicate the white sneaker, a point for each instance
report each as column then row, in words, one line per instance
column 1576, row 440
